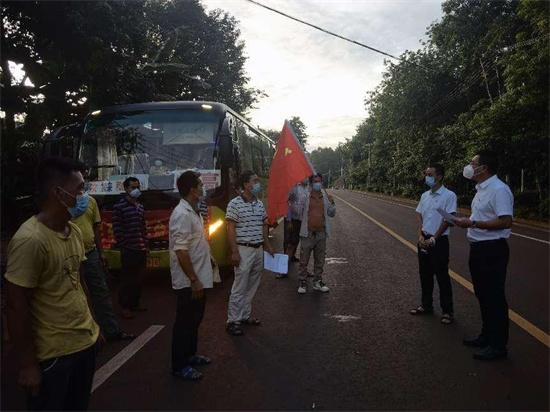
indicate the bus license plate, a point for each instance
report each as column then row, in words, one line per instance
column 153, row 262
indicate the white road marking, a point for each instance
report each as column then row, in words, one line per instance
column 103, row 373
column 532, row 238
column 410, row 207
column 336, row 261
column 343, row 318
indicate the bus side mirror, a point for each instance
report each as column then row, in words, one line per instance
column 225, row 143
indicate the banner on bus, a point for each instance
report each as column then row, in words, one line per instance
column 114, row 185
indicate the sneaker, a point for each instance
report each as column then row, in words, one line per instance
column 303, row 287
column 320, row 286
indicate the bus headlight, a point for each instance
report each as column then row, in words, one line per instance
column 214, row 227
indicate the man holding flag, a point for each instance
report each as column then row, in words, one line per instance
column 318, row 210
column 289, row 167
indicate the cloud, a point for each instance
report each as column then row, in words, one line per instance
column 318, row 77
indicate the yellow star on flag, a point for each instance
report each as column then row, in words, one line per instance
column 287, row 151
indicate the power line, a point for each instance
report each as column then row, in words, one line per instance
column 334, row 34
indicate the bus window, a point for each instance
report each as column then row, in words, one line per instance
column 150, row 142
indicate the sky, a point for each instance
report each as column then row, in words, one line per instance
column 318, row 77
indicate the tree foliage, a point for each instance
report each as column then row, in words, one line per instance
column 84, row 55
column 480, row 81
column 299, row 129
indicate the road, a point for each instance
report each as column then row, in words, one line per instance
column 354, row 348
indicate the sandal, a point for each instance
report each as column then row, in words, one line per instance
column 420, row 311
column 251, row 321
column 199, row 360
column 188, row 374
column 447, row 319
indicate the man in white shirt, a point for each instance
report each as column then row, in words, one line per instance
column 489, row 225
column 433, row 244
column 191, row 270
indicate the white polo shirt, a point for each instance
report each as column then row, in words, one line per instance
column 187, row 233
column 492, row 200
column 430, row 201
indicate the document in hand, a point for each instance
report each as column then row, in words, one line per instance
column 447, row 216
column 277, row 263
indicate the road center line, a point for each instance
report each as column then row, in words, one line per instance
column 413, row 208
column 103, row 373
column 523, row 323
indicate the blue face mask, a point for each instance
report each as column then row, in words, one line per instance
column 256, row 188
column 80, row 206
column 317, row 186
column 430, row 181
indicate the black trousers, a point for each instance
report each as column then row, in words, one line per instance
column 435, row 261
column 66, row 382
column 189, row 314
column 133, row 265
column 488, row 263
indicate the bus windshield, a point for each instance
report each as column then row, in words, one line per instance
column 151, row 142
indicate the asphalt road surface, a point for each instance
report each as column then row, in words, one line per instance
column 354, row 348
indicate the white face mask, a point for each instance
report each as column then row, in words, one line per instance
column 469, row 172
column 158, row 163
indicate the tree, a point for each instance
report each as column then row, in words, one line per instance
column 299, row 130
column 480, row 81
column 84, row 55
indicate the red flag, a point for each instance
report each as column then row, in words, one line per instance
column 289, row 166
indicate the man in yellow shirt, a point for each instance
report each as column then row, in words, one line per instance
column 88, row 220
column 50, row 321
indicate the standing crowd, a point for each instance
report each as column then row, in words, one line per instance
column 60, row 308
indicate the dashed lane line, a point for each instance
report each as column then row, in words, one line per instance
column 413, row 208
column 523, row 323
column 103, row 373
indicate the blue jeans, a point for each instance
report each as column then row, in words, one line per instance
column 101, row 295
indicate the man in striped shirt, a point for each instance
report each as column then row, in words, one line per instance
column 248, row 237
column 129, row 230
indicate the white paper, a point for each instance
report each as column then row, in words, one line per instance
column 277, row 263
column 447, row 216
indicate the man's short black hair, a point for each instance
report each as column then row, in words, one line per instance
column 439, row 169
column 188, row 180
column 244, row 177
column 314, row 176
column 489, row 159
column 129, row 180
column 54, row 171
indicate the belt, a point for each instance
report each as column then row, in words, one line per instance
column 254, row 245
column 487, row 242
column 427, row 235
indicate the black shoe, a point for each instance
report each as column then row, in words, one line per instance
column 489, row 353
column 234, row 329
column 478, row 342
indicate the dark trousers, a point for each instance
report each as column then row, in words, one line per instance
column 435, row 261
column 488, row 263
column 189, row 314
column 66, row 382
column 133, row 265
column 100, row 294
